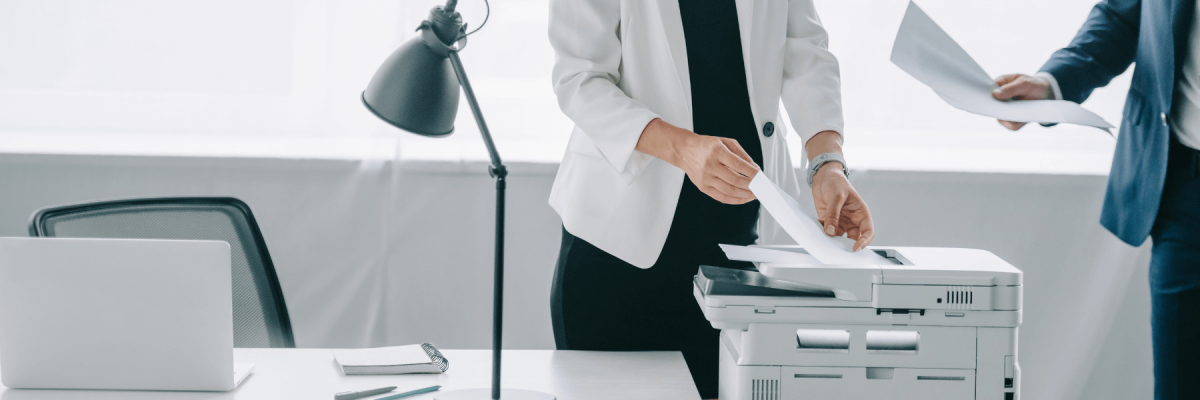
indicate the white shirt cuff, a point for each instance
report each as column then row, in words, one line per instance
column 1053, row 84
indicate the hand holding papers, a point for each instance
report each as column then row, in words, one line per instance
column 925, row 51
column 805, row 230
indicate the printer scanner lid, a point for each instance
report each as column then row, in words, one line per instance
column 911, row 266
column 948, row 266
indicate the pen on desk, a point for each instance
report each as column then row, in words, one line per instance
column 358, row 395
column 411, row 393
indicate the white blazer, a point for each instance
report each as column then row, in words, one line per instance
column 621, row 63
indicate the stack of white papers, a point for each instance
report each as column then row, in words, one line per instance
column 925, row 51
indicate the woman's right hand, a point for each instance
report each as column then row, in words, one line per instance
column 718, row 166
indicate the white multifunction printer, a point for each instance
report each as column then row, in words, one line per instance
column 936, row 323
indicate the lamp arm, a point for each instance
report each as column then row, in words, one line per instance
column 496, row 170
column 497, row 167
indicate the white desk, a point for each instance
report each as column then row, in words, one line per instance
column 312, row 374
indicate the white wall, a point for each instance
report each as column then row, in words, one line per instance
column 369, row 254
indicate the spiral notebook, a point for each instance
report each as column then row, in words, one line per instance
column 412, row 359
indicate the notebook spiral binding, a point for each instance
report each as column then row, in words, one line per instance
column 435, row 355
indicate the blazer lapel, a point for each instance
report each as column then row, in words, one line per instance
column 672, row 26
column 1183, row 15
column 745, row 11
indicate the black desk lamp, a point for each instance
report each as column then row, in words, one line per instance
column 416, row 90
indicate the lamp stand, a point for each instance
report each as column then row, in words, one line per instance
column 498, row 171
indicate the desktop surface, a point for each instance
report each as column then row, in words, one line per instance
column 312, row 374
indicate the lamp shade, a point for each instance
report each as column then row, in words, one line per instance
column 415, row 90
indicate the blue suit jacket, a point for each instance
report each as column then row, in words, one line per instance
column 1153, row 34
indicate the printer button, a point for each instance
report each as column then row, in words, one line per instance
column 898, row 316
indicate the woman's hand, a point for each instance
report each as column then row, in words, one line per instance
column 1021, row 87
column 718, row 166
column 839, row 207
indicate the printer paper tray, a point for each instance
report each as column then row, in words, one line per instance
column 789, row 382
column 877, row 383
column 867, row 346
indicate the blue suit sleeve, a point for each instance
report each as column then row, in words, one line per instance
column 1103, row 49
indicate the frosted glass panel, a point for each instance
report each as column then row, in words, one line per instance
column 211, row 46
column 292, row 68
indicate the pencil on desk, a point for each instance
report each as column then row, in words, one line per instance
column 411, row 393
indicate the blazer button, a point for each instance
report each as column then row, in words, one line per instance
column 1164, row 118
column 768, row 129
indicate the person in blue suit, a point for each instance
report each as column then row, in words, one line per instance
column 1154, row 185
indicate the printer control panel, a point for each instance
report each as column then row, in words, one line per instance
column 939, row 297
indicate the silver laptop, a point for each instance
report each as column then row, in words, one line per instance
column 121, row 314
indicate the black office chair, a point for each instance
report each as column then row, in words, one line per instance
column 260, row 317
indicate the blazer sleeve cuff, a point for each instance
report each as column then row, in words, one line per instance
column 621, row 153
column 807, row 132
column 1066, row 88
column 1053, row 83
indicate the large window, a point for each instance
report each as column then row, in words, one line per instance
column 190, row 76
column 250, row 75
column 892, row 121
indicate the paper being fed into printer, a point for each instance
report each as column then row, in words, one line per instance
column 805, row 230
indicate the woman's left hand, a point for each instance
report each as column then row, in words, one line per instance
column 839, row 207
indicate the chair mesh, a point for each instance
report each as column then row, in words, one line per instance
column 256, row 323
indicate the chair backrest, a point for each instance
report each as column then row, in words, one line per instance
column 260, row 317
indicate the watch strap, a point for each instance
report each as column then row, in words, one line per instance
column 821, row 160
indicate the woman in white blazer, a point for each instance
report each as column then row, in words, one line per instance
column 676, row 108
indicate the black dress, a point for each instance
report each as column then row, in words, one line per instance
column 599, row 302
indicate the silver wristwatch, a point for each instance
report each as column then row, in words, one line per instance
column 821, row 160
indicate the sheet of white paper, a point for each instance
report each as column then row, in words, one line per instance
column 805, row 230
column 393, row 355
column 925, row 51
column 763, row 254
